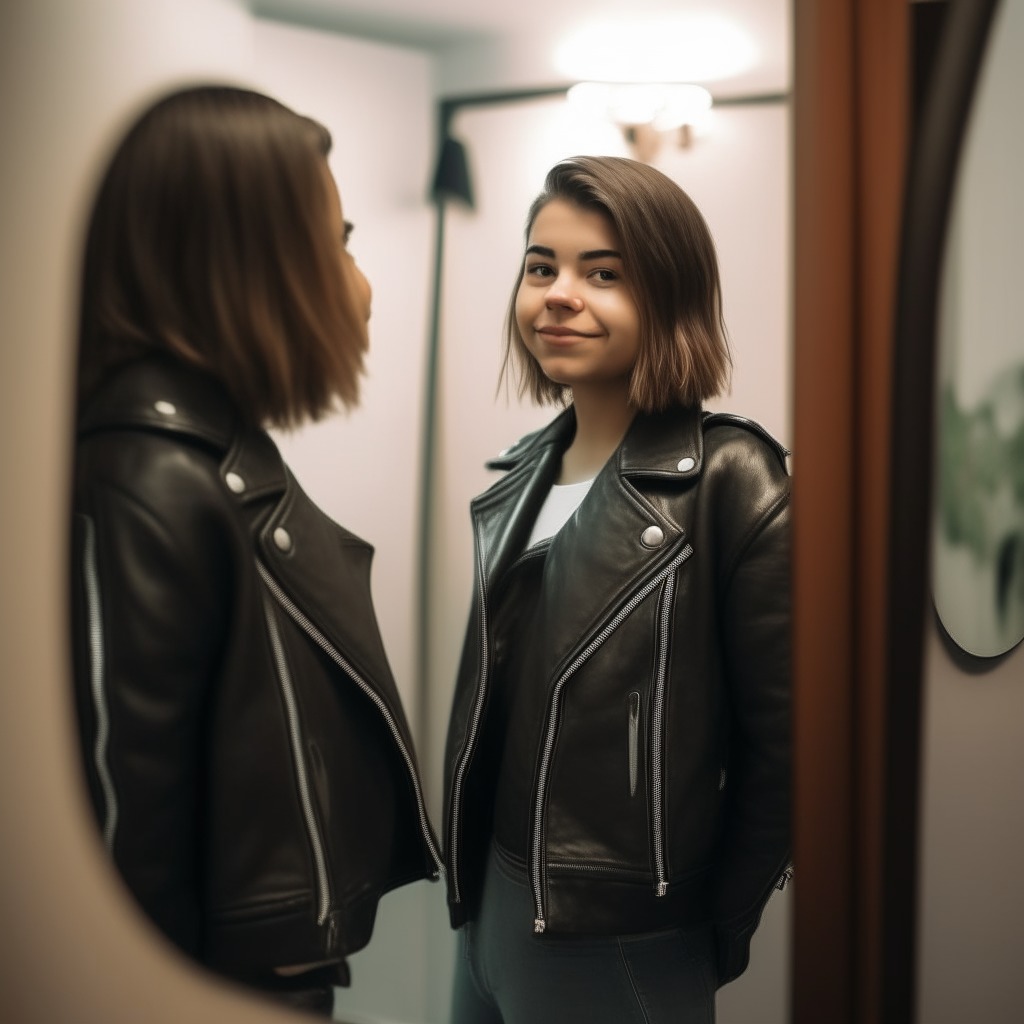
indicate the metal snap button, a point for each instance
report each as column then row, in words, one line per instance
column 165, row 408
column 652, row 537
column 234, row 482
column 283, row 539
column 685, row 465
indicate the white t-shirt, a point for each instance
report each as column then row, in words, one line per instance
column 558, row 507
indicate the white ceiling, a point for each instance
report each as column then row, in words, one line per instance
column 511, row 43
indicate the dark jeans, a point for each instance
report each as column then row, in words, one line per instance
column 505, row 974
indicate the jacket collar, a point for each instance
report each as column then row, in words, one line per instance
column 559, row 433
column 504, row 514
column 160, row 394
column 665, row 445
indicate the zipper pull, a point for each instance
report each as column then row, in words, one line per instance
column 661, row 889
column 538, row 925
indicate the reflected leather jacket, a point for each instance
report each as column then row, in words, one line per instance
column 658, row 777
column 246, row 749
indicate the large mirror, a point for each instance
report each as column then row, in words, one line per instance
column 400, row 470
column 971, row 820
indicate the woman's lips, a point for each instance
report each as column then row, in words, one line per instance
column 563, row 334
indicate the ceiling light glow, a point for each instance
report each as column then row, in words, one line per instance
column 676, row 48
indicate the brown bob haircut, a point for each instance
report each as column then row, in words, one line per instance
column 672, row 271
column 211, row 240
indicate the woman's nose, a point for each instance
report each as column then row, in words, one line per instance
column 562, row 294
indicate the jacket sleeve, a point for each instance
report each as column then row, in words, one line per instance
column 150, row 609
column 755, row 848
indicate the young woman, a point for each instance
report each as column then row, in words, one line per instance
column 246, row 750
column 617, row 802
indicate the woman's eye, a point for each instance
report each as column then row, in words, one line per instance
column 605, row 276
column 540, row 270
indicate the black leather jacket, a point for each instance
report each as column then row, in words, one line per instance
column 662, row 638
column 245, row 745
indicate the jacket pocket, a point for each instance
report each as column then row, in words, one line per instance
column 634, row 739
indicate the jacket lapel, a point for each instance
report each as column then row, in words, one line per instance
column 503, row 516
column 323, row 569
column 618, row 539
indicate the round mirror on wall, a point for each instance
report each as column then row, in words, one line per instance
column 978, row 540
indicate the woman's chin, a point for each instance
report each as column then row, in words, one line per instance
column 558, row 372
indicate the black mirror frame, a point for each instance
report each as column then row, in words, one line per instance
column 934, row 162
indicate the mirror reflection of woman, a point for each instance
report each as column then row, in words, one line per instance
column 617, row 797
column 245, row 746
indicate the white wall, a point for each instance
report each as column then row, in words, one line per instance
column 739, row 177
column 972, row 841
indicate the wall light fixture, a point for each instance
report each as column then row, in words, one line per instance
column 664, row 107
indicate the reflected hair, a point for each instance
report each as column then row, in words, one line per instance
column 671, row 268
column 210, row 239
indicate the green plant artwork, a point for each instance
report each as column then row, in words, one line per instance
column 979, row 538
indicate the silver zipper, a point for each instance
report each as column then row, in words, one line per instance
column 634, row 737
column 585, row 867
column 549, row 736
column 325, row 645
column 779, row 885
column 300, row 764
column 474, row 726
column 658, row 742
column 99, row 697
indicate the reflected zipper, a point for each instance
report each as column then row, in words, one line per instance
column 325, row 645
column 537, row 846
column 658, row 742
column 295, row 731
column 94, row 610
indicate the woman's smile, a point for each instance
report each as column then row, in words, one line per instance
column 564, row 334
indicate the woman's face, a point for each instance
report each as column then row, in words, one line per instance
column 574, row 307
column 341, row 229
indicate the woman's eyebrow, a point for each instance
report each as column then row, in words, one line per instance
column 599, row 254
column 541, row 250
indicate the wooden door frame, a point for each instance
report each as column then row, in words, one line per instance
column 870, row 222
column 850, row 123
